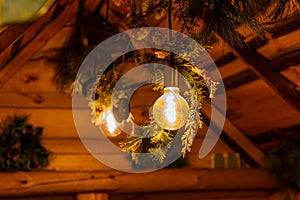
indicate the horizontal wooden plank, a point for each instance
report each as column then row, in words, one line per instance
column 34, row 76
column 62, row 197
column 232, row 68
column 85, row 162
column 75, row 146
column 235, row 195
column 266, row 117
column 247, row 95
column 56, row 122
column 71, row 154
column 287, row 60
column 43, row 183
column 285, row 25
column 278, row 46
column 293, row 74
column 219, row 51
column 279, row 196
column 255, row 113
column 239, row 79
column 34, row 100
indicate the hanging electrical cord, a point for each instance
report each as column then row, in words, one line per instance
column 174, row 73
column 107, row 11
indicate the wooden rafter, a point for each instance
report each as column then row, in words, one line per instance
column 285, row 88
column 55, row 183
column 237, row 136
column 38, row 42
column 38, row 39
column 10, row 34
column 17, row 38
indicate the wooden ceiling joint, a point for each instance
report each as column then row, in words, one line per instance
column 38, row 41
column 260, row 65
column 239, row 138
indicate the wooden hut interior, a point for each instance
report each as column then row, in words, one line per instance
column 246, row 147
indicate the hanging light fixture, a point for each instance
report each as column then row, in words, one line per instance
column 171, row 111
column 108, row 124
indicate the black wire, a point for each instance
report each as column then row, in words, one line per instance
column 174, row 74
column 170, row 19
column 107, row 10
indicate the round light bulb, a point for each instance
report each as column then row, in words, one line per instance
column 108, row 124
column 171, row 111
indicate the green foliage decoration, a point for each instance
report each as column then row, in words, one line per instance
column 284, row 163
column 20, row 145
column 157, row 138
column 220, row 16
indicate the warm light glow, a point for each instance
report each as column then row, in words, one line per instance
column 108, row 124
column 171, row 110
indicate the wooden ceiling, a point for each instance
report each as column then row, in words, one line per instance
column 262, row 82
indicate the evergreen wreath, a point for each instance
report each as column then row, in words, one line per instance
column 198, row 19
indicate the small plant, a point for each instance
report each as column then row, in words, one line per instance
column 20, row 147
column 284, row 163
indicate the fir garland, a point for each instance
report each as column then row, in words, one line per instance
column 199, row 19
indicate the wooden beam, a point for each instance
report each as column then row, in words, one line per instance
column 11, row 34
column 265, row 71
column 35, row 100
column 16, row 37
column 92, row 196
column 236, row 195
column 282, row 195
column 15, row 43
column 39, row 38
column 279, row 64
column 239, row 79
column 237, row 136
column 167, row 180
column 288, row 59
column 284, row 26
column 38, row 42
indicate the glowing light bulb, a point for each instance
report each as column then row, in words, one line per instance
column 170, row 111
column 108, row 124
